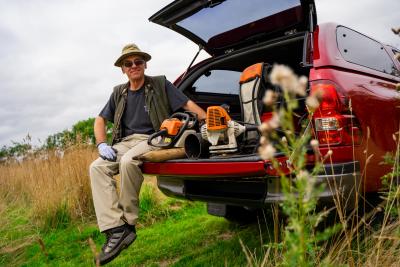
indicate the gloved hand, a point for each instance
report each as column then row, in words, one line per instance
column 107, row 152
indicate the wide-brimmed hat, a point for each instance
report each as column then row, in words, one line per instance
column 131, row 50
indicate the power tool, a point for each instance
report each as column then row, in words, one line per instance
column 173, row 130
column 221, row 131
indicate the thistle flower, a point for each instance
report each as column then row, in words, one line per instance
column 327, row 155
column 314, row 100
column 314, row 143
column 315, row 147
column 280, row 73
column 270, row 98
column 264, row 140
column 264, row 128
column 274, row 122
column 270, row 125
column 302, row 85
column 266, row 152
column 312, row 103
column 284, row 77
column 284, row 141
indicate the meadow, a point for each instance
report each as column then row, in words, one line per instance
column 47, row 219
column 47, row 216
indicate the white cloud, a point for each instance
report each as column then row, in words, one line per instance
column 370, row 17
column 57, row 57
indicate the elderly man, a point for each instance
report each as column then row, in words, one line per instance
column 137, row 109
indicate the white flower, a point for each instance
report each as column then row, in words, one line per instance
column 270, row 98
column 264, row 128
column 274, row 122
column 284, row 140
column 270, row 125
column 314, row 143
column 267, row 152
column 263, row 140
column 284, row 77
column 302, row 86
column 314, row 100
column 280, row 73
column 312, row 103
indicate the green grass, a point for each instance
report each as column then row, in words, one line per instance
column 187, row 236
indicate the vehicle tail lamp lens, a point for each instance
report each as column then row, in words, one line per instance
column 334, row 124
column 330, row 99
column 326, row 124
column 338, row 130
column 328, row 131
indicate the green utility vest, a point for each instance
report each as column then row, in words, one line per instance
column 156, row 99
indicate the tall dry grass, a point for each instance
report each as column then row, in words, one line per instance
column 55, row 186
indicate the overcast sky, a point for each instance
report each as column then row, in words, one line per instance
column 57, row 56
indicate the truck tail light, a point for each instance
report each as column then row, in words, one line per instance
column 333, row 122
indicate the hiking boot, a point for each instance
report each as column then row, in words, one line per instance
column 118, row 238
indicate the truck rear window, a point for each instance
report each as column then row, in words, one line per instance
column 362, row 50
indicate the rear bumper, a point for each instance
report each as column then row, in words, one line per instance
column 340, row 180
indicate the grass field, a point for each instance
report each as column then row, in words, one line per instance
column 188, row 236
column 47, row 219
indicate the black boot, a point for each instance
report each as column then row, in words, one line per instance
column 118, row 238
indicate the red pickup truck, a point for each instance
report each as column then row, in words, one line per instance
column 359, row 110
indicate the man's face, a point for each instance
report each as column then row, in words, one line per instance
column 134, row 67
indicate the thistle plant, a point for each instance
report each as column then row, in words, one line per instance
column 391, row 181
column 301, row 239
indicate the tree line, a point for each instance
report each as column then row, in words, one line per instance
column 81, row 132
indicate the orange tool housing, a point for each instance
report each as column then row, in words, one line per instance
column 217, row 118
column 171, row 125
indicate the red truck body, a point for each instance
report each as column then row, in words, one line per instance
column 360, row 72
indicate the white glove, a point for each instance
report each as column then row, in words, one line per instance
column 107, row 152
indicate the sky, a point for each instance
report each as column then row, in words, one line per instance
column 56, row 56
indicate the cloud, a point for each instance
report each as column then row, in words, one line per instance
column 370, row 17
column 57, row 57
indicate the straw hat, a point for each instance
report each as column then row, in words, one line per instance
column 130, row 50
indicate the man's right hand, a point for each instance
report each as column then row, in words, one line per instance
column 107, row 152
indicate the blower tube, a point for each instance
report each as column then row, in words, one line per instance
column 196, row 147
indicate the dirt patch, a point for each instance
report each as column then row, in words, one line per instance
column 226, row 236
column 167, row 262
column 17, row 247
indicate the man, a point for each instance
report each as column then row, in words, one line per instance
column 137, row 109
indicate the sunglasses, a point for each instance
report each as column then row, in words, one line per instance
column 136, row 63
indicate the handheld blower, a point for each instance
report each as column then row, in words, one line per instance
column 221, row 131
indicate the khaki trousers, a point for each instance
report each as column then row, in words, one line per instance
column 114, row 210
